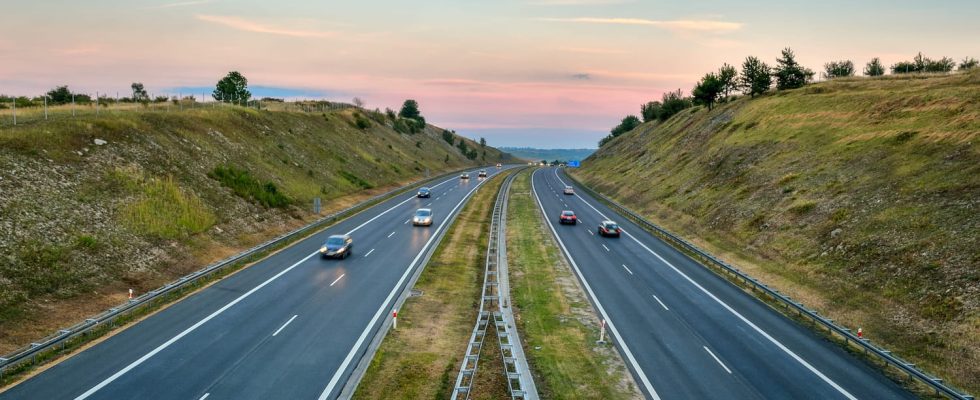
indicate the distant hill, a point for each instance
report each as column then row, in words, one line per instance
column 857, row 196
column 532, row 154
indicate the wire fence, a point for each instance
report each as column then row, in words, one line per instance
column 25, row 110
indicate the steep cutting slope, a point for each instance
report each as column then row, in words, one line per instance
column 858, row 196
column 91, row 207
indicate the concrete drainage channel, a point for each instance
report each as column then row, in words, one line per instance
column 495, row 309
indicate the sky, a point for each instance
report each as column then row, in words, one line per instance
column 538, row 73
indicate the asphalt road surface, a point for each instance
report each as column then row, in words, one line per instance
column 687, row 333
column 292, row 326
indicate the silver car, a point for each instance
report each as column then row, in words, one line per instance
column 423, row 217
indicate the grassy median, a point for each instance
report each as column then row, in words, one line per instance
column 420, row 360
column 554, row 317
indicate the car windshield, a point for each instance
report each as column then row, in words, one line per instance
column 424, row 189
column 335, row 241
column 567, row 213
column 423, row 213
column 612, row 226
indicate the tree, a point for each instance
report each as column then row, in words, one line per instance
column 756, row 76
column 707, row 91
column 410, row 109
column 874, row 68
column 650, row 111
column 448, row 136
column 139, row 92
column 729, row 79
column 483, row 142
column 923, row 64
column 790, row 74
column 233, row 87
column 904, row 67
column 838, row 69
column 358, row 102
column 968, row 63
column 944, row 65
column 59, row 95
column 673, row 103
column 627, row 124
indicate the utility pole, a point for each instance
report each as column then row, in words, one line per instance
column 45, row 107
column 73, row 105
column 15, row 110
column 96, row 103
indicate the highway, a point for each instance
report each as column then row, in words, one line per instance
column 292, row 326
column 686, row 333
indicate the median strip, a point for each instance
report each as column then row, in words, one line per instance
column 555, row 318
column 419, row 359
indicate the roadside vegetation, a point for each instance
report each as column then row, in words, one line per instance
column 421, row 358
column 856, row 196
column 92, row 206
column 556, row 321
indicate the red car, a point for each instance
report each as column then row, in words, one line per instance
column 567, row 217
column 609, row 228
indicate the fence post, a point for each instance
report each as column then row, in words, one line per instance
column 96, row 104
column 45, row 107
column 73, row 105
column 15, row 109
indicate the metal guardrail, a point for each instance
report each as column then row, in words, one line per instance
column 884, row 355
column 30, row 353
column 519, row 380
column 367, row 356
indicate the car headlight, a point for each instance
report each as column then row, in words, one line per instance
column 323, row 249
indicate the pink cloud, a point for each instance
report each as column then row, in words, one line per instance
column 252, row 26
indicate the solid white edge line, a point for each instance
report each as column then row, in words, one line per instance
column 369, row 253
column 284, row 325
column 716, row 359
column 736, row 313
column 337, row 280
column 612, row 327
column 661, row 303
column 172, row 340
column 384, row 305
column 187, row 331
column 627, row 269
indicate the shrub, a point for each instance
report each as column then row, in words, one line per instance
column 448, row 136
column 164, row 210
column 246, row 186
column 356, row 180
column 360, row 122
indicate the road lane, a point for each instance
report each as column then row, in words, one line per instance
column 769, row 356
column 230, row 354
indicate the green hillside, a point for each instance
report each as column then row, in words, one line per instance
column 93, row 206
column 857, row 196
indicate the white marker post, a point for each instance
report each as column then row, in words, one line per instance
column 130, row 294
column 394, row 319
column 602, row 333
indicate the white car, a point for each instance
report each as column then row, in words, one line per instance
column 464, row 176
column 482, row 174
column 569, row 190
column 423, row 217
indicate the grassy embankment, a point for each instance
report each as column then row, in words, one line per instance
column 169, row 192
column 856, row 196
column 421, row 358
column 554, row 317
